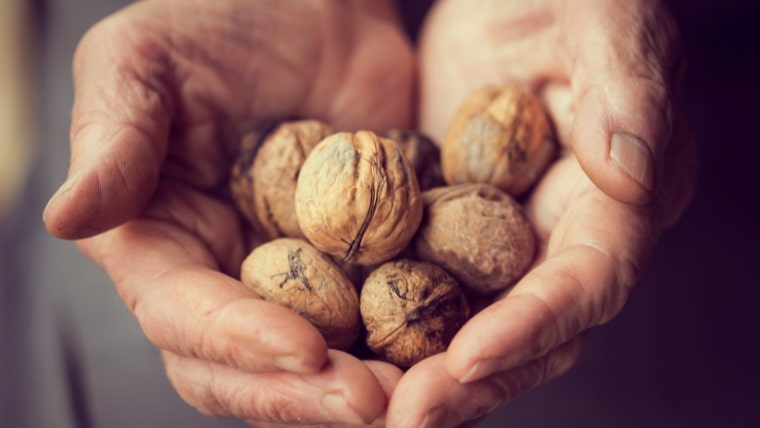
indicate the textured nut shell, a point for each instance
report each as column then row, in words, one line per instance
column 275, row 172
column 423, row 155
column 501, row 136
column 241, row 176
column 294, row 274
column 477, row 233
column 411, row 310
column 357, row 198
column 265, row 185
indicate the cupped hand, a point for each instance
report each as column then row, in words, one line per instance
column 163, row 91
column 607, row 72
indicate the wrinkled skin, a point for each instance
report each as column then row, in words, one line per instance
column 158, row 104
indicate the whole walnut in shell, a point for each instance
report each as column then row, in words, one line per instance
column 294, row 274
column 357, row 198
column 411, row 310
column 501, row 136
column 423, row 155
column 265, row 173
column 478, row 233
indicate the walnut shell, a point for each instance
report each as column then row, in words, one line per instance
column 411, row 310
column 357, row 198
column 241, row 176
column 423, row 155
column 501, row 136
column 264, row 187
column 478, row 233
column 294, row 274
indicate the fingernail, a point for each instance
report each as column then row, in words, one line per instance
column 439, row 417
column 65, row 187
column 634, row 157
column 334, row 406
column 290, row 363
column 483, row 368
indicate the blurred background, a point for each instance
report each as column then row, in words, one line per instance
column 683, row 352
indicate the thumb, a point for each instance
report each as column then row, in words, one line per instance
column 119, row 129
column 623, row 79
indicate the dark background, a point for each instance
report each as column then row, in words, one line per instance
column 682, row 353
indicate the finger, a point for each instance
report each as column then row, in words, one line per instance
column 172, row 284
column 428, row 397
column 623, row 84
column 595, row 254
column 120, row 123
column 387, row 374
column 344, row 391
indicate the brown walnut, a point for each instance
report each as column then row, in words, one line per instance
column 478, row 233
column 294, row 274
column 265, row 173
column 357, row 198
column 241, row 176
column 411, row 310
column 501, row 136
column 423, row 155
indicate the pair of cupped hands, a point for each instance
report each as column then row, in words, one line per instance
column 164, row 89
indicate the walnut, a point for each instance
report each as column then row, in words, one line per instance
column 241, row 176
column 478, row 233
column 411, row 310
column 265, row 173
column 357, row 198
column 423, row 155
column 294, row 274
column 502, row 136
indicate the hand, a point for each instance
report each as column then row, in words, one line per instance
column 607, row 72
column 163, row 91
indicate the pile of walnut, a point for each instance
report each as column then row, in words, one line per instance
column 385, row 237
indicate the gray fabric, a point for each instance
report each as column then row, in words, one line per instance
column 678, row 355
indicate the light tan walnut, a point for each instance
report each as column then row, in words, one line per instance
column 478, row 233
column 501, row 136
column 265, row 173
column 294, row 274
column 357, row 198
column 411, row 310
